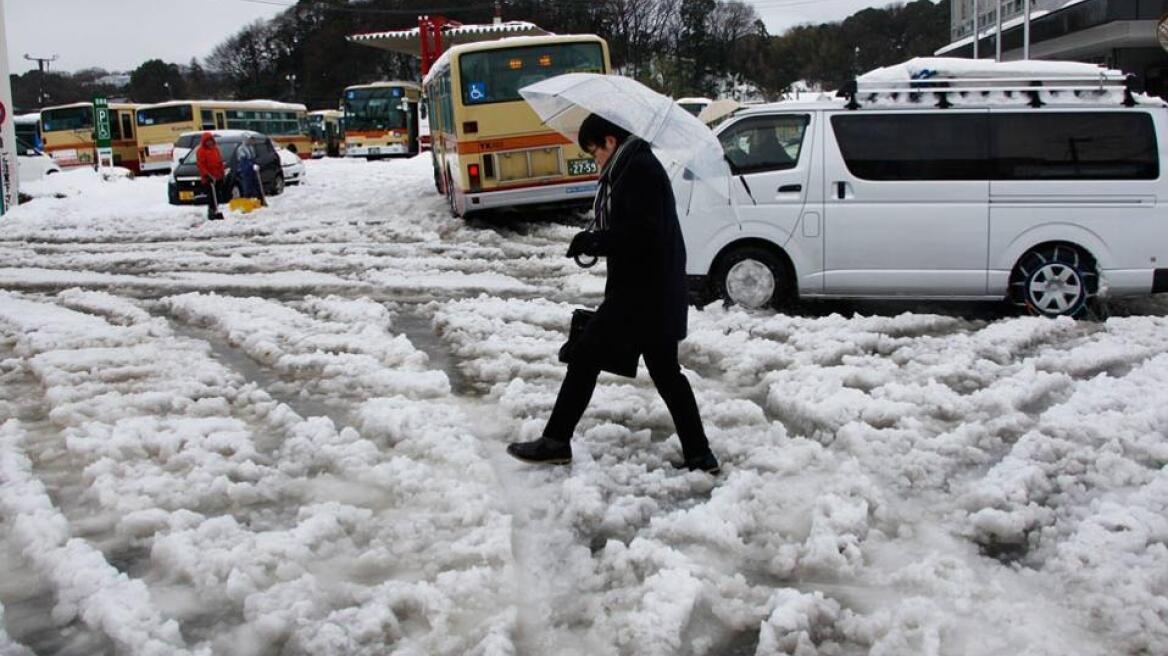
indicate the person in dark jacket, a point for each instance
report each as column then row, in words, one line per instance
column 645, row 297
column 211, row 171
column 245, row 172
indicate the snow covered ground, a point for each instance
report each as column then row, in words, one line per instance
column 283, row 433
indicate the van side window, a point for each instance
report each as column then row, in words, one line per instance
column 765, row 143
column 914, row 146
column 1075, row 146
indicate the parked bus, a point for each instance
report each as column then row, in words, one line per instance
column 326, row 128
column 67, row 135
column 160, row 125
column 489, row 147
column 381, row 119
column 28, row 130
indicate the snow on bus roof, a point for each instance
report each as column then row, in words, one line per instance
column 26, row 119
column 385, row 83
column 940, row 68
column 231, row 104
column 86, row 103
column 509, row 42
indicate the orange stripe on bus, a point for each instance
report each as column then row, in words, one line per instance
column 512, row 143
column 373, row 134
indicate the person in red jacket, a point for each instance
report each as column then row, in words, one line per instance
column 211, row 171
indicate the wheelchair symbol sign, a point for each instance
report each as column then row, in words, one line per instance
column 477, row 91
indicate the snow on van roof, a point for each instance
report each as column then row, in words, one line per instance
column 940, row 68
column 231, row 104
column 509, row 42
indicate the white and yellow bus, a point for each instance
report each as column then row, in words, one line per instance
column 327, row 131
column 490, row 149
column 67, row 135
column 160, row 125
column 381, row 119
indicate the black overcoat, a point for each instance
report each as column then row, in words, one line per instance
column 645, row 297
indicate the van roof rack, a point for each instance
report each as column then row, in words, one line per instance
column 942, row 88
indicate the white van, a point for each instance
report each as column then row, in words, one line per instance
column 973, row 185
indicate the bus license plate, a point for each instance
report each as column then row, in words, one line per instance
column 581, row 167
column 186, row 195
column 374, row 151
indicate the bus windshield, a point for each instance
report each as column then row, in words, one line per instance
column 316, row 129
column 164, row 115
column 492, row 76
column 67, row 118
column 375, row 109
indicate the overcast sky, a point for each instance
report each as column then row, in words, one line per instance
column 118, row 35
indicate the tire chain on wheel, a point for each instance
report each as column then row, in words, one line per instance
column 1071, row 257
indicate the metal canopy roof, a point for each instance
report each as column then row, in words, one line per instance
column 409, row 41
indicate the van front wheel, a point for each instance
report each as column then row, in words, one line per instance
column 753, row 278
column 1054, row 281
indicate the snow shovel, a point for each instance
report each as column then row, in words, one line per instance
column 260, row 185
column 218, row 215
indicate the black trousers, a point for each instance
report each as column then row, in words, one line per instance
column 671, row 384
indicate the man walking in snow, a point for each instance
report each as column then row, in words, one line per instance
column 211, row 171
column 645, row 298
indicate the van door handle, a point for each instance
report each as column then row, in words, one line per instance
column 791, row 188
column 841, row 190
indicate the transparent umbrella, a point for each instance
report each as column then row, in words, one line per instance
column 679, row 139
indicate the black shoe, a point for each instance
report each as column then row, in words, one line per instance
column 707, row 463
column 544, row 451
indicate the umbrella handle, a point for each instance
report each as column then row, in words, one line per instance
column 581, row 263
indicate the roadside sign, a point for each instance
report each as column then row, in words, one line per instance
column 102, row 132
column 9, row 180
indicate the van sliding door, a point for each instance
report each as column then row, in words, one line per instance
column 906, row 210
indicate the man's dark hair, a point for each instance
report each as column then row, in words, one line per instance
column 594, row 129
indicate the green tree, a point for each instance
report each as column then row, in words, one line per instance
column 156, row 81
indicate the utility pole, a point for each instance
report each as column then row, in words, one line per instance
column 1026, row 33
column 42, row 65
column 998, row 39
column 291, row 77
column 976, row 28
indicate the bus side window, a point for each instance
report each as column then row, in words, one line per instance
column 220, row 121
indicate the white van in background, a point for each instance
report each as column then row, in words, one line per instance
column 944, row 179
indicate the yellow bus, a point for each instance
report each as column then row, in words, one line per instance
column 160, row 125
column 326, row 128
column 381, row 119
column 67, row 135
column 489, row 147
